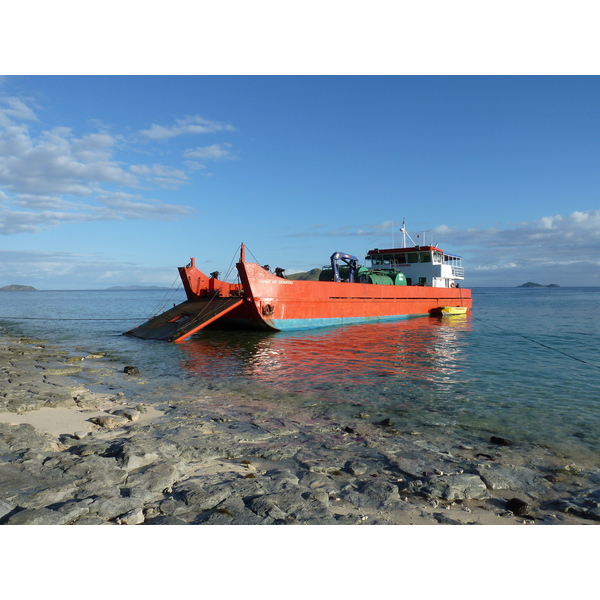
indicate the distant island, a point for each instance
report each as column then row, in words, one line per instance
column 18, row 288
column 530, row 284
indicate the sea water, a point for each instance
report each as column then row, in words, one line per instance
column 523, row 364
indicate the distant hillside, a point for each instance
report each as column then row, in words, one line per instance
column 312, row 275
column 18, row 288
column 530, row 284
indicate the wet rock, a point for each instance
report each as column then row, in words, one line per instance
column 586, row 504
column 131, row 370
column 74, row 370
column 500, row 441
column 497, row 477
column 571, row 469
column 485, row 456
column 249, row 431
column 517, row 506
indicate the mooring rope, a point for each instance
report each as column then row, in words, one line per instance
column 166, row 298
column 530, row 339
column 68, row 319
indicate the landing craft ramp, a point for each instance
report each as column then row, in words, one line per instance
column 185, row 319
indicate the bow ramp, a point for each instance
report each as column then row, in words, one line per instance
column 185, row 319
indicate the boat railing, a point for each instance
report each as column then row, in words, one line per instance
column 458, row 272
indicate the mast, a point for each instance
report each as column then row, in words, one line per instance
column 403, row 230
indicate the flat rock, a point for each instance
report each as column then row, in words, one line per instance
column 110, row 421
column 38, row 516
column 455, row 487
column 133, row 517
column 498, row 477
column 199, row 497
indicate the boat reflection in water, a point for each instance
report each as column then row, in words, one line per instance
column 418, row 361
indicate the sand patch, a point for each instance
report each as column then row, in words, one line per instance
column 59, row 421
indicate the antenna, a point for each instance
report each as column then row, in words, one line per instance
column 404, row 234
column 403, row 230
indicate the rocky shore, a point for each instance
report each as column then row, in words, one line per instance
column 86, row 441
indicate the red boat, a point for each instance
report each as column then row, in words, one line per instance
column 398, row 283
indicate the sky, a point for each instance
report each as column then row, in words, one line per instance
column 118, row 179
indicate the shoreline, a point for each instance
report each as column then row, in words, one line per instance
column 86, row 443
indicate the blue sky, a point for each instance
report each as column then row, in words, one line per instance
column 117, row 180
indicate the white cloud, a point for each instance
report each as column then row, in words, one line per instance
column 190, row 125
column 161, row 175
column 46, row 202
column 557, row 249
column 12, row 109
column 12, row 222
column 54, row 176
column 552, row 249
column 71, row 270
column 212, row 152
column 120, row 205
column 49, row 165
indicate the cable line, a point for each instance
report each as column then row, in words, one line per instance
column 585, row 362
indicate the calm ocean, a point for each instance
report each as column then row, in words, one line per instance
column 525, row 364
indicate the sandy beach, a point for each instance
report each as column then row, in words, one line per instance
column 84, row 442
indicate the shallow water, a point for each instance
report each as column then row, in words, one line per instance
column 524, row 364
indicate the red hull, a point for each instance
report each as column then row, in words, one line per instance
column 284, row 304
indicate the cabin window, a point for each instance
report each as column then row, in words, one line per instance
column 400, row 258
column 376, row 260
column 437, row 257
column 413, row 257
column 425, row 257
column 387, row 258
column 454, row 261
column 422, row 280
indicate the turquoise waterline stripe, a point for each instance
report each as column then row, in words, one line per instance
column 294, row 324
